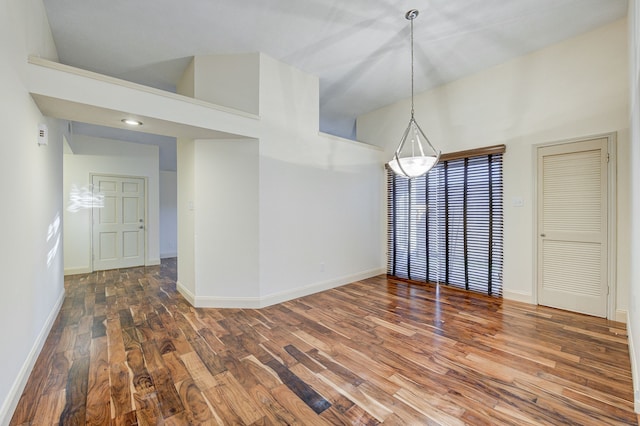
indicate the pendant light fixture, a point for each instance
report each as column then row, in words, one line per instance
column 415, row 155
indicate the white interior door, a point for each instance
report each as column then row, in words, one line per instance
column 118, row 225
column 572, row 226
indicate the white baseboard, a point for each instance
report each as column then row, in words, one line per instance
column 217, row 302
column 272, row 299
column 168, row 255
column 228, row 302
column 621, row 315
column 9, row 405
column 186, row 293
column 517, row 296
column 87, row 270
column 634, row 367
column 76, row 271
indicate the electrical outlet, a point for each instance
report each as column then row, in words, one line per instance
column 321, row 266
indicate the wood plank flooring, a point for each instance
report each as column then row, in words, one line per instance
column 127, row 349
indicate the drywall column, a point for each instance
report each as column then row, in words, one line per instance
column 226, row 222
column 321, row 211
column 218, row 222
column 290, row 214
column 186, row 218
column 218, row 191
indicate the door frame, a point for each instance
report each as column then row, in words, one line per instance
column 146, row 214
column 612, row 143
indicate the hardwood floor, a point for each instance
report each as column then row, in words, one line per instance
column 127, row 349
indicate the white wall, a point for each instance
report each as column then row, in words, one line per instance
column 168, row 214
column 228, row 80
column 572, row 89
column 226, row 230
column 218, row 222
column 290, row 213
column 31, row 213
column 321, row 209
column 633, row 324
column 108, row 157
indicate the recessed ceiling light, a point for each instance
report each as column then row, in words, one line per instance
column 131, row 122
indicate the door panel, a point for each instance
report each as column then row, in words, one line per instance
column 130, row 244
column 107, row 214
column 107, row 248
column 118, row 226
column 130, row 208
column 572, row 226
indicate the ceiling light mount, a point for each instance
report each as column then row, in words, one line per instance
column 412, row 14
column 417, row 157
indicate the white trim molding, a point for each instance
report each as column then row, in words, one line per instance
column 612, row 243
column 186, row 293
column 517, row 296
column 227, row 302
column 622, row 316
column 153, row 262
column 272, row 299
column 69, row 70
column 635, row 369
column 76, row 271
column 11, row 402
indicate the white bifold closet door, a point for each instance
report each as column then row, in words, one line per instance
column 572, row 226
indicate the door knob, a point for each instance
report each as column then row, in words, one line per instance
column 141, row 227
column 543, row 235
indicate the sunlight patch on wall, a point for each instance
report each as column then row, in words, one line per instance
column 53, row 239
column 84, row 198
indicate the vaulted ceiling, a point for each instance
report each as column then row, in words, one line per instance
column 359, row 49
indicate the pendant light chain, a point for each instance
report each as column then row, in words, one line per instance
column 412, row 67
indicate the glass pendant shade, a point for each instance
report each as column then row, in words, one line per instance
column 415, row 155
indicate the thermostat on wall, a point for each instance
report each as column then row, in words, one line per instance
column 43, row 134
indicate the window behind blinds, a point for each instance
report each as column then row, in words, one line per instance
column 447, row 226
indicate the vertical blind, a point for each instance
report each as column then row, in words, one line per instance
column 447, row 226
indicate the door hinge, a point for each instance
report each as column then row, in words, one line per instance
column 608, row 157
column 608, row 290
